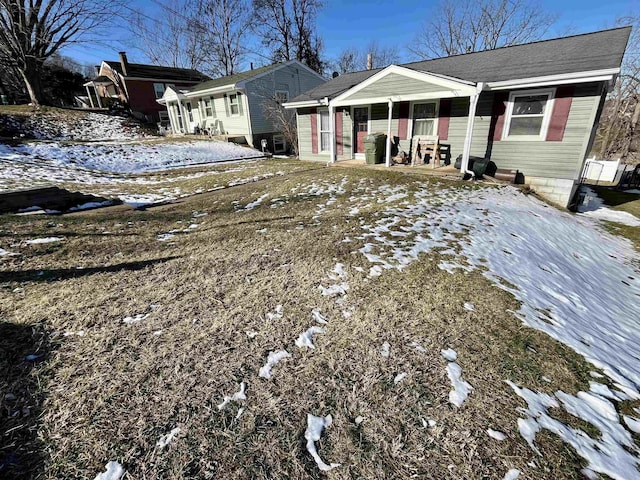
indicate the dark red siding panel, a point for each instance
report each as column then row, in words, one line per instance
column 314, row 130
column 560, row 114
column 498, row 114
column 444, row 115
column 339, row 147
column 403, row 120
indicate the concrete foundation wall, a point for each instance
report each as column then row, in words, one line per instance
column 559, row 191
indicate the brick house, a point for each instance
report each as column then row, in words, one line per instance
column 138, row 86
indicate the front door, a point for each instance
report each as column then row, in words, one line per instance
column 360, row 128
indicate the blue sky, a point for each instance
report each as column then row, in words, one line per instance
column 358, row 22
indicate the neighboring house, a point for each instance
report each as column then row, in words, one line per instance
column 138, row 86
column 535, row 107
column 234, row 105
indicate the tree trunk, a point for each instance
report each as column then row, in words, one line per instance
column 31, row 76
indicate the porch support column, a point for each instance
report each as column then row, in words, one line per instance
column 388, row 159
column 97, row 96
column 466, row 152
column 332, row 134
column 89, row 94
column 184, row 118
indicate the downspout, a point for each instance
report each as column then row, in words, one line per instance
column 388, row 149
column 466, row 152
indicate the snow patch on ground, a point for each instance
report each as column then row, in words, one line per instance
column 449, row 355
column 114, row 471
column 593, row 206
column 272, row 360
column 305, row 340
column 461, row 389
column 384, row 351
column 495, row 434
column 315, row 426
column 38, row 241
column 610, row 455
column 512, row 474
column 238, row 396
column 165, row 440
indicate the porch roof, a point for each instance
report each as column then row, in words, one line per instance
column 591, row 52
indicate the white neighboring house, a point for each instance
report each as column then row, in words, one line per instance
column 233, row 106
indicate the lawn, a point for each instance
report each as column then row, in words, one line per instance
column 124, row 332
column 622, row 202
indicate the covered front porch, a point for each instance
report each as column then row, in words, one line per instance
column 425, row 118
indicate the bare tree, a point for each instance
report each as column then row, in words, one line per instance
column 618, row 130
column 223, row 25
column 32, row 31
column 462, row 26
column 287, row 28
column 352, row 59
column 283, row 121
column 172, row 37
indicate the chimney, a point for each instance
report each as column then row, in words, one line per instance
column 251, row 65
column 96, row 68
column 124, row 63
column 369, row 61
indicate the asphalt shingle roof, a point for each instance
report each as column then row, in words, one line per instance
column 578, row 53
column 232, row 79
column 141, row 70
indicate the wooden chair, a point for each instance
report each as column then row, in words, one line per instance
column 423, row 145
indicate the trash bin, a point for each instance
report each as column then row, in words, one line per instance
column 480, row 167
column 375, row 148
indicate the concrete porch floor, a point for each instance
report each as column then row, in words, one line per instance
column 447, row 170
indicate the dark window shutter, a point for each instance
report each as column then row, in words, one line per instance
column 498, row 114
column 339, row 146
column 560, row 114
column 226, row 104
column 403, row 120
column 443, row 118
column 314, row 130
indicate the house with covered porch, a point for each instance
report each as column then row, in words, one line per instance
column 237, row 106
column 533, row 108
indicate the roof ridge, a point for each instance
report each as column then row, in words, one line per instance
column 523, row 44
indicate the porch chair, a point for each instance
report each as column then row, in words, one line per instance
column 423, row 145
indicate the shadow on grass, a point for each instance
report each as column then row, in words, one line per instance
column 66, row 273
column 616, row 198
column 22, row 454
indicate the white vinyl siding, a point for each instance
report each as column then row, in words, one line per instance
column 528, row 114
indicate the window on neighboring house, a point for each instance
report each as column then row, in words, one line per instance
column 279, row 144
column 208, row 107
column 159, row 89
column 424, row 118
column 325, row 134
column 164, row 116
column 281, row 96
column 528, row 114
column 234, row 104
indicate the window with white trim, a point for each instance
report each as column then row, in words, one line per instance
column 164, row 116
column 158, row 88
column 424, row 118
column 528, row 114
column 325, row 133
column 279, row 144
column 234, row 104
column 281, row 96
column 208, row 107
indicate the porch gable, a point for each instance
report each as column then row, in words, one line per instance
column 403, row 84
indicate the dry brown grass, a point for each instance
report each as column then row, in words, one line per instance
column 111, row 394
